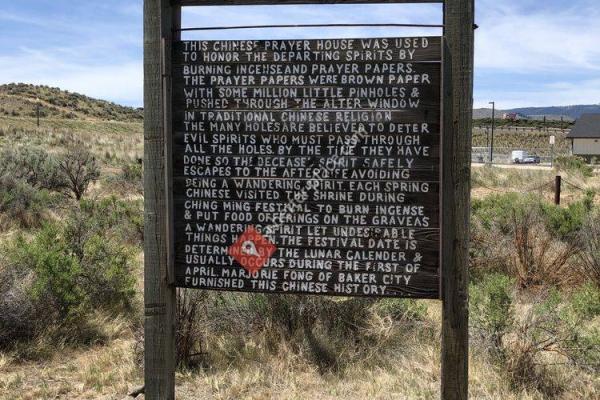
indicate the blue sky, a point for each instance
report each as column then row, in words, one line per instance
column 528, row 52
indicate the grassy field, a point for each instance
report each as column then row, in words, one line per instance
column 535, row 300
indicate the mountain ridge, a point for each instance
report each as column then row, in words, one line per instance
column 568, row 113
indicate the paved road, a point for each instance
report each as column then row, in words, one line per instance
column 545, row 167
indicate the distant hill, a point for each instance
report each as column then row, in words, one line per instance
column 573, row 112
column 551, row 113
column 480, row 113
column 19, row 99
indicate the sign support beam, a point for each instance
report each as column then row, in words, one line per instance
column 456, row 186
column 159, row 296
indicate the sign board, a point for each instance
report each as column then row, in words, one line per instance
column 308, row 166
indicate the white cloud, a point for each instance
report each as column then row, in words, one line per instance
column 537, row 54
column 528, row 52
column 517, row 40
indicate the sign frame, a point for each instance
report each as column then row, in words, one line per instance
column 162, row 24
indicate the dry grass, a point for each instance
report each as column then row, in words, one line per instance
column 112, row 142
column 402, row 361
column 97, row 372
column 404, row 365
column 538, row 258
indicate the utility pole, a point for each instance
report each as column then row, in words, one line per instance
column 37, row 111
column 493, row 103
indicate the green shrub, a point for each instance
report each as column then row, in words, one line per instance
column 319, row 328
column 55, row 270
column 21, row 203
column 574, row 165
column 585, row 302
column 491, row 308
column 496, row 210
column 564, row 222
column 132, row 172
column 33, row 165
column 70, row 277
column 111, row 216
column 551, row 326
column 106, row 274
column 22, row 317
column 589, row 240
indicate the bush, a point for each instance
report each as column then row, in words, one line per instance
column 496, row 211
column 574, row 165
column 129, row 180
column 54, row 268
column 401, row 309
column 110, row 216
column 22, row 317
column 316, row 327
column 585, row 302
column 491, row 309
column 551, row 327
column 79, row 169
column 106, row 274
column 133, row 173
column 566, row 222
column 539, row 258
column 190, row 307
column 528, row 238
column 68, row 277
column 22, row 204
column 33, row 165
column 589, row 237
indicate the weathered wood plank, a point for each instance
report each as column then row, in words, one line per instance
column 417, row 288
column 159, row 298
column 312, row 51
column 429, row 237
column 215, row 142
column 456, row 150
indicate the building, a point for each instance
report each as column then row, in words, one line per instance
column 585, row 136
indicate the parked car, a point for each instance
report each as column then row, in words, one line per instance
column 531, row 160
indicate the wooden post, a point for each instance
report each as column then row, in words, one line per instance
column 458, row 104
column 159, row 296
column 557, row 189
column 493, row 103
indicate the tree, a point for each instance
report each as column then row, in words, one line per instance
column 79, row 169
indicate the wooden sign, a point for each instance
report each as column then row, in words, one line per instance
column 308, row 166
column 335, row 167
